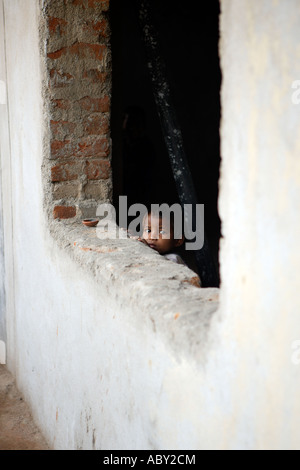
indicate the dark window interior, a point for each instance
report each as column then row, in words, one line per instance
column 189, row 43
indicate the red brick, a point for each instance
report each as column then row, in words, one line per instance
column 78, row 2
column 97, row 29
column 97, row 124
column 81, row 50
column 95, row 104
column 64, row 212
column 61, row 104
column 60, row 129
column 64, row 172
column 60, row 79
column 57, row 25
column 93, row 147
column 97, row 169
column 60, row 148
column 89, row 146
column 103, row 3
column 94, row 76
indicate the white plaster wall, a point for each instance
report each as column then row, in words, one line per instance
column 95, row 372
column 3, row 122
column 2, row 286
column 2, row 289
column 259, row 207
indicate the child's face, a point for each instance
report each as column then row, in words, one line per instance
column 159, row 235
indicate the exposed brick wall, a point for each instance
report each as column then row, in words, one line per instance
column 79, row 84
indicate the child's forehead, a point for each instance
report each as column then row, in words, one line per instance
column 154, row 218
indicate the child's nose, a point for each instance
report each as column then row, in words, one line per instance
column 153, row 235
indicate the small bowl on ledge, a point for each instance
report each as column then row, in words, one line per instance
column 90, row 222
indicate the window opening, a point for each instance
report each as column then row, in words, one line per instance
column 189, row 50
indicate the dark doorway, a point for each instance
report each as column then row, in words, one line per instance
column 189, row 42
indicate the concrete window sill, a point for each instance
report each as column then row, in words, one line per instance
column 159, row 292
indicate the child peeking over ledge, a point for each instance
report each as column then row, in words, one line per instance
column 158, row 234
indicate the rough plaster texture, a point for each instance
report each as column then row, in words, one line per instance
column 111, row 346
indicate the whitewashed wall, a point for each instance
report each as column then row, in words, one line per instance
column 3, row 174
column 260, row 206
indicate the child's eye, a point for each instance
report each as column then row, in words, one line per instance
column 162, row 232
column 147, row 230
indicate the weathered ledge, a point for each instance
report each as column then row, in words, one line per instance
column 159, row 292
